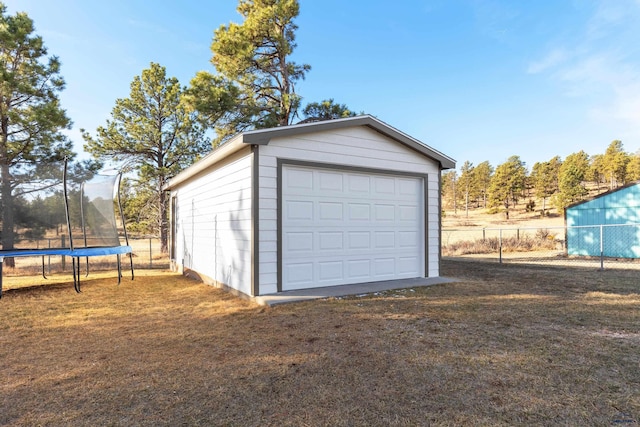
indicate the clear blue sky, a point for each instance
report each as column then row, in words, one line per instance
column 478, row 80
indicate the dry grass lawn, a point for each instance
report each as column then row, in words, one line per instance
column 506, row 345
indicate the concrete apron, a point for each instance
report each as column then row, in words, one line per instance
column 346, row 290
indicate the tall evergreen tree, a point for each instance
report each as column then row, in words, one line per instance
column 326, row 110
column 573, row 173
column 449, row 184
column 30, row 114
column 633, row 167
column 482, row 177
column 507, row 184
column 615, row 163
column 545, row 179
column 596, row 172
column 466, row 183
column 219, row 104
column 255, row 57
column 154, row 133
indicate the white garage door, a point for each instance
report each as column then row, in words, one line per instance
column 342, row 227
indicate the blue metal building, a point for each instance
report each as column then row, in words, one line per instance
column 607, row 225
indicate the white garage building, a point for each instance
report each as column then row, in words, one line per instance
column 311, row 205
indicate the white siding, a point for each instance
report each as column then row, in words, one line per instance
column 213, row 235
column 349, row 147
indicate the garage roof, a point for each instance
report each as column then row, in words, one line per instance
column 263, row 136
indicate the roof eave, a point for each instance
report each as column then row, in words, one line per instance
column 213, row 157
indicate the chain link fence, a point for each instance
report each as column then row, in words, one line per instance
column 146, row 255
column 598, row 246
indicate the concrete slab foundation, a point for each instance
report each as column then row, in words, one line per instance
column 346, row 290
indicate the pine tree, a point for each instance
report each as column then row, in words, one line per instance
column 30, row 114
column 466, row 183
column 573, row 173
column 255, row 57
column 507, row 184
column 545, row 176
column 615, row 163
column 482, row 175
column 155, row 134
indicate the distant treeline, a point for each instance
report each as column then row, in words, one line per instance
column 555, row 183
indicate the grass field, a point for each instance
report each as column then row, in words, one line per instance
column 503, row 346
column 480, row 224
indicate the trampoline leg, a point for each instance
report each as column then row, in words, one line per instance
column 76, row 273
column 43, row 273
column 131, row 262
column 78, row 267
column 86, row 275
column 119, row 269
column 1, row 262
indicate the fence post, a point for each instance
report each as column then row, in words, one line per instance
column 500, row 245
column 517, row 234
column 484, row 236
column 150, row 255
column 601, row 247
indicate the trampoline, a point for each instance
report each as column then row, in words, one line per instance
column 80, row 212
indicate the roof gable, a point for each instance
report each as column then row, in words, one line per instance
column 263, row 136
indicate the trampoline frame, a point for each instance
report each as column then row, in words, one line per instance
column 72, row 251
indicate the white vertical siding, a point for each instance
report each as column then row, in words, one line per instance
column 213, row 210
column 349, row 147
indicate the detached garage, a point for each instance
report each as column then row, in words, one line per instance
column 311, row 205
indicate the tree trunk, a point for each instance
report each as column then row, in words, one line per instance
column 466, row 202
column 611, row 182
column 8, row 220
column 455, row 199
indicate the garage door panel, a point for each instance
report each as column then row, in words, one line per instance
column 384, row 240
column 384, row 212
column 408, row 239
column 384, row 267
column 331, row 181
column 358, row 240
column 330, row 241
column 384, row 185
column 407, row 265
column 296, row 209
column 408, row 187
column 359, row 269
column 299, row 242
column 330, row 211
column 330, row 270
column 359, row 184
column 359, row 212
column 299, row 274
column 408, row 213
column 299, row 179
column 341, row 227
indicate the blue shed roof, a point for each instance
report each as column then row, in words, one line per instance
column 620, row 206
